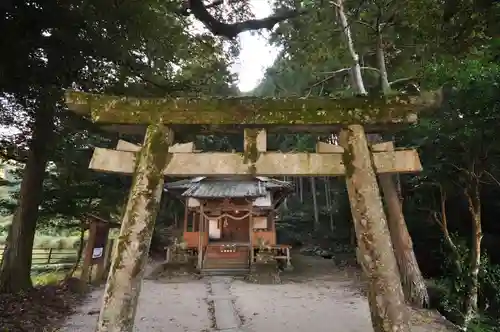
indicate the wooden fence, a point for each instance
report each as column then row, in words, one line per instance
column 51, row 256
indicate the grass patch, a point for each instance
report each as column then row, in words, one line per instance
column 48, row 278
column 52, row 277
column 48, row 242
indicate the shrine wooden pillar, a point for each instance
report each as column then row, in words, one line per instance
column 273, row 226
column 201, row 237
column 186, row 212
column 250, row 234
column 125, row 277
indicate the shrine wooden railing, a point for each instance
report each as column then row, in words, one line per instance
column 192, row 239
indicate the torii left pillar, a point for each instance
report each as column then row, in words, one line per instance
column 125, row 277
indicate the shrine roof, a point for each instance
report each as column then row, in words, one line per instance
column 233, row 187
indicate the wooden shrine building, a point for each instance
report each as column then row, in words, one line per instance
column 228, row 220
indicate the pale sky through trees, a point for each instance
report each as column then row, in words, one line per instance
column 255, row 57
column 256, row 54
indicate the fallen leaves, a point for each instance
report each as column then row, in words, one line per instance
column 37, row 310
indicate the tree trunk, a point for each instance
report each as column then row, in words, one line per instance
column 413, row 282
column 380, row 55
column 125, row 277
column 315, row 203
column 329, row 203
column 356, row 77
column 388, row 310
column 442, row 221
column 470, row 303
column 15, row 274
column 301, row 189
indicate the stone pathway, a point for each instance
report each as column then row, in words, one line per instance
column 225, row 315
column 189, row 307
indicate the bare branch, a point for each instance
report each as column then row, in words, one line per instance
column 230, row 30
column 333, row 74
column 437, row 219
column 402, row 80
column 344, row 69
column 366, row 24
column 214, row 3
column 444, row 227
column 492, row 177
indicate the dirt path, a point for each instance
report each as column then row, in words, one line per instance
column 317, row 299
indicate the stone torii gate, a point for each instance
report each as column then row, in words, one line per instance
column 352, row 159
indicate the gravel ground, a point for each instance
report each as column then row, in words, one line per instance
column 301, row 307
column 172, row 307
column 329, row 307
column 310, row 302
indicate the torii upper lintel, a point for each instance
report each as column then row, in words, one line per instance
column 368, row 111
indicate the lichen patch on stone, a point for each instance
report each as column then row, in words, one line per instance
column 251, row 110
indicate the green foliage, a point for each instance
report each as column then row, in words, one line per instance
column 464, row 129
column 453, row 287
column 48, row 278
column 459, row 152
column 142, row 49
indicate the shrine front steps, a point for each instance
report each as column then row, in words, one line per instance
column 225, row 266
column 225, row 272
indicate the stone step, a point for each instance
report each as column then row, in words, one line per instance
column 214, row 265
column 225, row 272
column 245, row 263
column 225, row 267
column 227, row 256
column 229, row 259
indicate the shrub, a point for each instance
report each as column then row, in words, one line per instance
column 451, row 291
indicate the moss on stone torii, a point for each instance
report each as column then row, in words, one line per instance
column 365, row 110
column 125, row 278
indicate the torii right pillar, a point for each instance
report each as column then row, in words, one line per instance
column 389, row 312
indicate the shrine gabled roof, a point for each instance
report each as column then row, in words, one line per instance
column 203, row 187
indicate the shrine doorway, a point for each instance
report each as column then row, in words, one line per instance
column 230, row 228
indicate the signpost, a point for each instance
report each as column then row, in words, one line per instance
column 97, row 250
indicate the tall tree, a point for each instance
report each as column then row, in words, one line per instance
column 56, row 46
column 465, row 163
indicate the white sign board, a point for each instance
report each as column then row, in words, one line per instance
column 97, row 252
column 214, row 232
column 259, row 222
